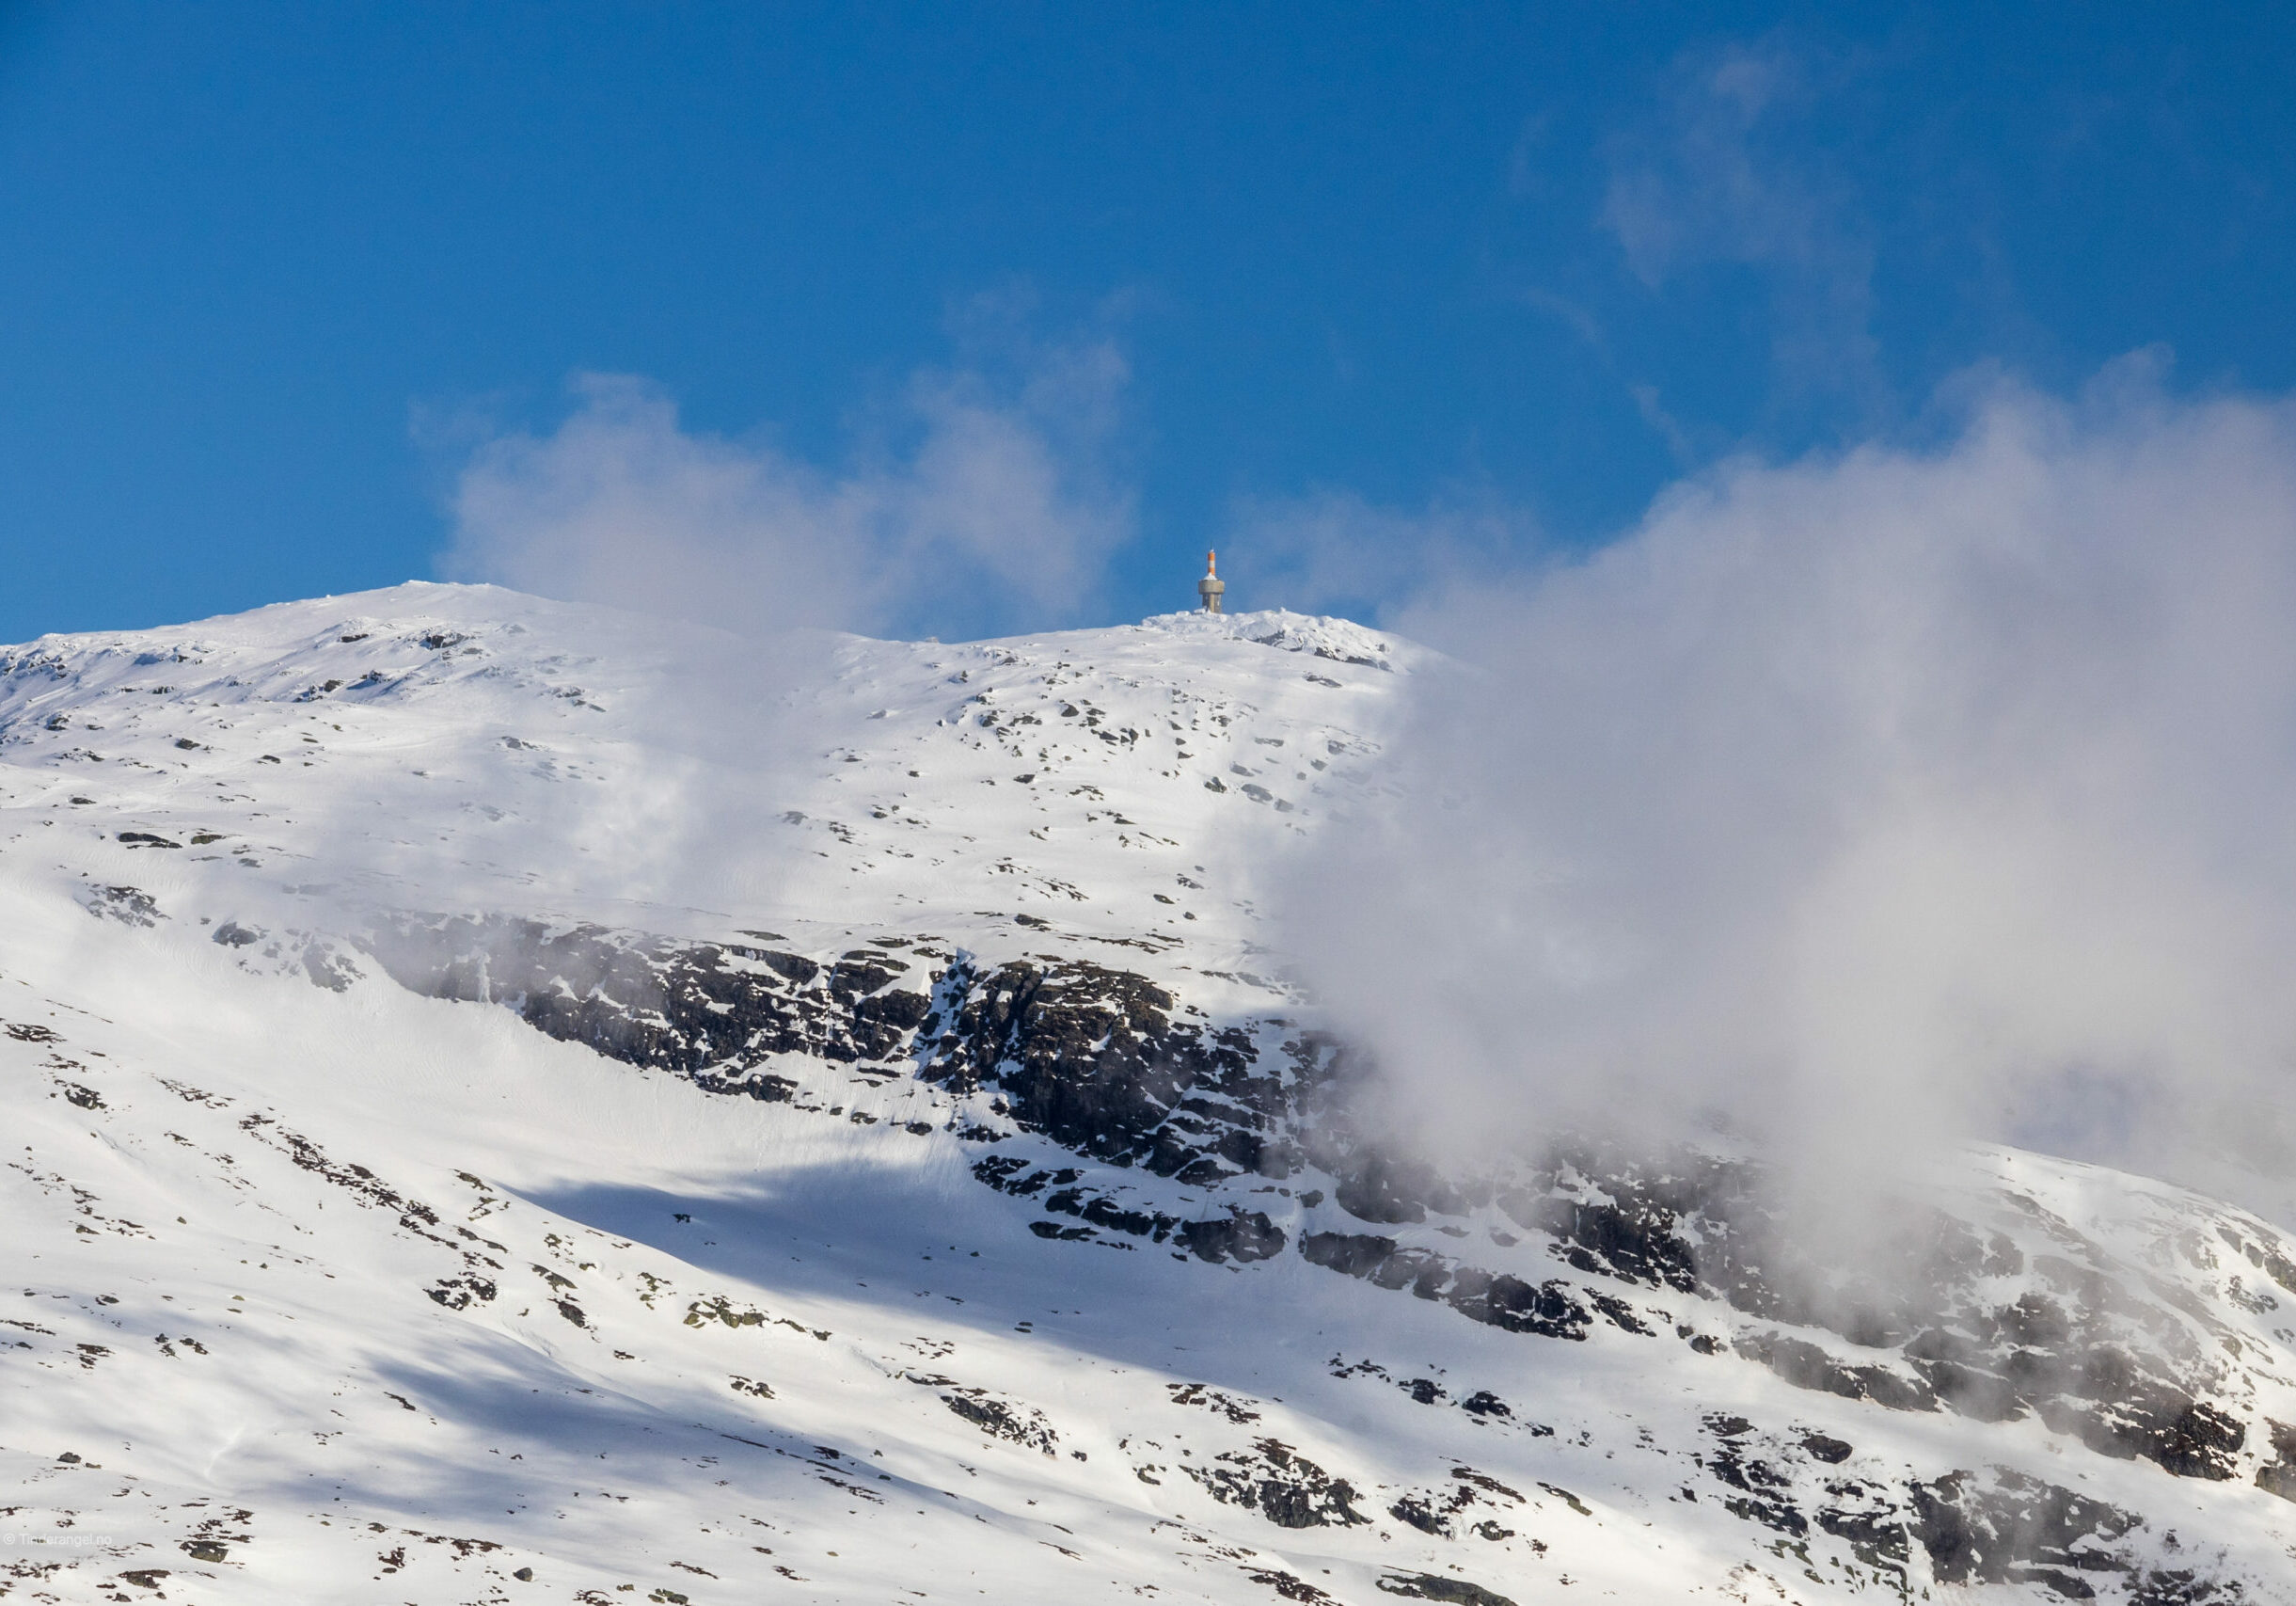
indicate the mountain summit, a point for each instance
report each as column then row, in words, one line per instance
column 511, row 1101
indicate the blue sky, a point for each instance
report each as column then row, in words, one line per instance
column 279, row 280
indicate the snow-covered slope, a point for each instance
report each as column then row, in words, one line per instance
column 505, row 1102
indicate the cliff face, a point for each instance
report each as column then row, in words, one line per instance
column 1988, row 1306
column 531, row 1105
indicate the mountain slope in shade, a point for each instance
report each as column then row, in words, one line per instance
column 506, row 1101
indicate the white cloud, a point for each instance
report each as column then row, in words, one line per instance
column 994, row 511
column 1866, row 800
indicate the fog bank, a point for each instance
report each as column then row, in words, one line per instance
column 1862, row 803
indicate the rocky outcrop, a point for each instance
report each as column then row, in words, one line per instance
column 1284, row 1487
column 1237, row 1233
column 698, row 1009
column 2008, row 1528
column 1134, row 1083
column 1097, row 1060
column 2278, row 1475
column 1989, row 1526
column 1497, row 1300
column 993, row 1414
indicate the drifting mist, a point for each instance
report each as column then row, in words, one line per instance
column 975, row 505
column 1862, row 804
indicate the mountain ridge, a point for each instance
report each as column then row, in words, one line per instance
column 649, row 1003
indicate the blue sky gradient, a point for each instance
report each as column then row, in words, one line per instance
column 275, row 273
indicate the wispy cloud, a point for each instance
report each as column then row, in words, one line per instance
column 1334, row 551
column 1725, row 169
column 978, row 504
column 1668, row 428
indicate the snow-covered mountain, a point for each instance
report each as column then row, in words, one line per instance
column 512, row 1101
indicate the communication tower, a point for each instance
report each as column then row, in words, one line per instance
column 1211, row 587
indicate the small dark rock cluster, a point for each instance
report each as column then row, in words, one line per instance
column 994, row 1415
column 1545, row 1309
column 1282, row 1485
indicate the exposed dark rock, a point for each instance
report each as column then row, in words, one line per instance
column 328, row 967
column 1619, row 1313
column 1429, row 1586
column 1379, row 1187
column 1093, row 1058
column 1354, row 1253
column 1111, row 1067
column 1445, row 1511
column 1241, row 1235
column 1634, row 1240
column 1806, row 1366
column 1213, row 1399
column 1283, row 1486
column 1416, row 1510
column 1763, row 1490
column 2187, row 1436
column 2279, row 1477
column 2013, row 1529
column 1002, row 1419
column 1864, row 1516
column 2182, row 1587
column 684, row 1007
column 1500, row 1301
column 748, row 1084
column 129, row 905
column 358, row 1181
column 456, row 1292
